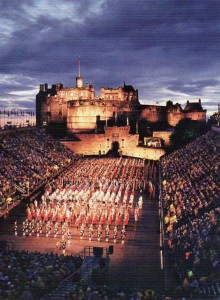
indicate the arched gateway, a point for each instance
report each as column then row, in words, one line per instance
column 115, row 146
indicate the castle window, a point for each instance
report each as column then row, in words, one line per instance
column 122, row 144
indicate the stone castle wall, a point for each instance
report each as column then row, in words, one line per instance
column 197, row 116
column 101, row 144
column 153, row 114
column 164, row 135
column 84, row 116
column 173, row 118
column 98, row 147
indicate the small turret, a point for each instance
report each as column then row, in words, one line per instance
column 79, row 82
column 43, row 87
column 79, row 79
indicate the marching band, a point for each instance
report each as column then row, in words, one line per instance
column 95, row 196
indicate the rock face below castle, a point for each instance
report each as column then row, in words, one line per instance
column 83, row 112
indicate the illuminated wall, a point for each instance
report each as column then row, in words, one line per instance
column 164, row 135
column 100, row 144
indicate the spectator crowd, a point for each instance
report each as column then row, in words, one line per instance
column 30, row 275
column 29, row 158
column 191, row 197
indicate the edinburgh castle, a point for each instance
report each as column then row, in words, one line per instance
column 82, row 112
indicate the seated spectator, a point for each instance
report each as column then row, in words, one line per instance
column 191, row 178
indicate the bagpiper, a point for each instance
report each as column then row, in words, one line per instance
column 38, row 229
column 32, row 225
column 115, row 231
column 99, row 232
column 136, row 213
column 49, row 227
column 107, row 233
column 90, row 232
column 16, row 227
column 40, row 226
column 63, row 245
column 63, row 230
column 123, row 234
column 26, row 228
column 68, row 236
column 140, row 202
column 82, row 230
column 23, row 228
column 47, row 230
column 30, row 229
column 56, row 229
column 126, row 219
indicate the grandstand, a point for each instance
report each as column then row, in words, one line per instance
column 171, row 241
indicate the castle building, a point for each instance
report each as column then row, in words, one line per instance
column 79, row 107
column 83, row 112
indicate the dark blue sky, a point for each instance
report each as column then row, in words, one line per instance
column 168, row 50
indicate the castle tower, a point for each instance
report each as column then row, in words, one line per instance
column 79, row 82
column 79, row 79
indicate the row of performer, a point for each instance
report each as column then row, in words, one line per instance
column 91, row 232
column 76, row 213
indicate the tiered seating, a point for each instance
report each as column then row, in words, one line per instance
column 26, row 275
column 28, row 158
column 191, row 182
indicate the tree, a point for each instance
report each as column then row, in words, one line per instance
column 215, row 118
column 186, row 131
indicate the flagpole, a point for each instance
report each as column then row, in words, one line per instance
column 79, row 64
column 106, row 122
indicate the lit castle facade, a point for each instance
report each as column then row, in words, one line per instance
column 82, row 111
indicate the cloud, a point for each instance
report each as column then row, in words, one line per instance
column 193, row 87
column 166, row 49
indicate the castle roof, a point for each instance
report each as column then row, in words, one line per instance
column 193, row 106
column 128, row 88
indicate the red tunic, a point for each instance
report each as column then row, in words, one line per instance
column 118, row 220
column 126, row 219
column 29, row 217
